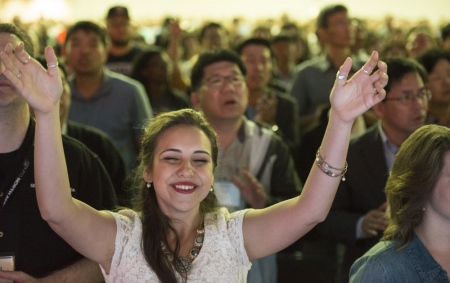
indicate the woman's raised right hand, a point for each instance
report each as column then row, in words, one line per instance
column 40, row 88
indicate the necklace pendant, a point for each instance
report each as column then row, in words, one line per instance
column 184, row 265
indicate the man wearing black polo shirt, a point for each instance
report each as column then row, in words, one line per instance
column 26, row 240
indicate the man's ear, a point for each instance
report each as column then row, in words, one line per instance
column 322, row 35
column 378, row 109
column 105, row 55
column 147, row 174
column 195, row 100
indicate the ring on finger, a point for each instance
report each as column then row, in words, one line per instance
column 365, row 71
column 375, row 90
column 53, row 65
column 19, row 74
column 340, row 77
column 26, row 60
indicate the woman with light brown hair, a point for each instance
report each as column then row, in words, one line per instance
column 416, row 244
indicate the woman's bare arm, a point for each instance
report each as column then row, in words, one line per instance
column 269, row 230
column 90, row 232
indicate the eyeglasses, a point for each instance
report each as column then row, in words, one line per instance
column 218, row 81
column 408, row 97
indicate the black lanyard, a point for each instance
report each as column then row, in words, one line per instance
column 22, row 161
column 26, row 164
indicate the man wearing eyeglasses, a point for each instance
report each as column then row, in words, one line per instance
column 357, row 217
column 256, row 168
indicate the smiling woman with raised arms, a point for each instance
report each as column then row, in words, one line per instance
column 177, row 234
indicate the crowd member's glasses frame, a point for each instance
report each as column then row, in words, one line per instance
column 219, row 81
column 408, row 97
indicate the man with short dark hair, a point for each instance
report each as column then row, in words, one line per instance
column 96, row 140
column 284, row 53
column 311, row 87
column 211, row 36
column 266, row 103
column 123, row 48
column 357, row 217
column 256, row 169
column 26, row 240
column 315, row 77
column 103, row 99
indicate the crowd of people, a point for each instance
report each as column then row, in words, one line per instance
column 201, row 156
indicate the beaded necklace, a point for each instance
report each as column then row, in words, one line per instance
column 185, row 263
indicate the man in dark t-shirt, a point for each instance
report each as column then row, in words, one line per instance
column 37, row 249
column 123, row 48
column 26, row 240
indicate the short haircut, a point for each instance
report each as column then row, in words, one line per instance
column 290, row 25
column 445, row 32
column 429, row 58
column 87, row 26
column 210, row 57
column 282, row 37
column 117, row 11
column 398, row 67
column 202, row 33
column 22, row 35
column 325, row 13
column 254, row 41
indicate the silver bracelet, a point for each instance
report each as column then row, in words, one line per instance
column 328, row 169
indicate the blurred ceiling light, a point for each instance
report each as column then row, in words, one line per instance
column 32, row 10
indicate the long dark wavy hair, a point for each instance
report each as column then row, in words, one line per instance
column 155, row 225
column 415, row 172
